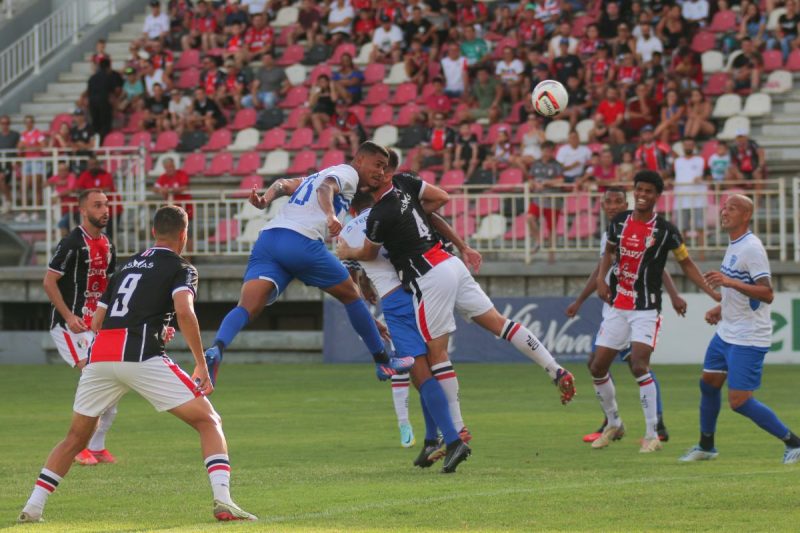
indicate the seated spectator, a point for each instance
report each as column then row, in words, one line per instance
column 321, row 102
column 719, row 164
column 500, row 153
column 698, row 116
column 133, row 59
column 95, row 177
column 509, row 69
column 747, row 68
column 624, row 43
column 695, row 12
column 9, row 140
column 268, row 85
column 416, row 63
column 173, row 186
column 485, row 95
column 691, row 192
column 437, row 148
column 437, row 101
column 419, row 27
column 752, row 24
column 258, row 39
column 348, row 130
column 786, row 33
column 64, row 184
column 234, row 14
column 628, row 75
column 472, row 13
column 340, row 21
column 574, row 158
column 546, row 176
column 81, row 135
column 653, row 75
column 235, row 46
column 212, row 77
column 202, row 32
column 236, row 83
column 599, row 71
column 505, row 23
column 627, row 168
column 671, row 27
column 206, row 114
column 364, row 27
column 566, row 64
column 162, row 58
column 652, row 154
column 473, row 48
column 647, row 43
column 688, row 68
column 610, row 117
column 156, row 25
column 178, row 110
column 467, row 150
column 673, row 118
column 748, row 160
column 529, row 29
column 309, row 23
column 388, row 41
column 132, row 94
column 531, row 145
column 60, row 140
column 564, row 33
column 153, row 76
column 456, row 75
column 349, row 80
column 156, row 111
column 549, row 13
column 604, row 173
column 587, row 46
column 580, row 103
column 642, row 111
column 536, row 69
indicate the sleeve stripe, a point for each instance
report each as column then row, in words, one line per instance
column 184, row 288
column 103, row 305
column 761, row 275
column 373, row 242
column 51, row 269
column 422, row 189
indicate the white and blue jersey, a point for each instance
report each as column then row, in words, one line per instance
column 291, row 245
column 380, row 270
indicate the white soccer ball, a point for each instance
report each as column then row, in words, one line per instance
column 549, row 98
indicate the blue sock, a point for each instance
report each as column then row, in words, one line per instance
column 434, row 398
column 430, row 423
column 364, row 325
column 710, row 404
column 659, row 405
column 234, row 322
column 764, row 417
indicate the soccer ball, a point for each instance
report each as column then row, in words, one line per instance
column 549, row 98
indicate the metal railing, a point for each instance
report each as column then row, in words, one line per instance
column 28, row 53
column 796, row 215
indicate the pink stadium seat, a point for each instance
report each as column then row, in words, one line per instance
column 245, row 118
column 189, row 59
column 773, row 60
column 578, row 203
column 665, row 202
column 291, row 54
column 508, row 41
column 247, row 184
column 295, row 115
column 456, row 206
column 227, row 230
column 582, row 227
column 513, row 115
column 709, row 148
column 579, row 25
column 189, row 79
column 167, row 141
column 221, row 164
column 323, row 142
column 134, row 122
column 464, row 225
column 404, row 94
column 381, row 114
column 487, row 205
column 249, row 163
column 194, row 164
column 405, row 164
column 377, row 94
column 141, row 138
column 716, row 84
column 477, row 130
column 509, row 180
column 332, row 158
column 703, row 41
column 219, row 140
column 428, row 177
column 374, row 73
column 494, row 129
column 407, row 115
column 301, row 138
column 318, row 71
column 793, row 61
column 61, row 118
column 303, row 162
column 360, row 111
column 723, row 21
column 115, row 139
column 273, row 139
column 427, row 90
column 452, row 180
column 518, row 227
column 522, row 129
column 344, row 48
column 296, row 97
column 283, row 37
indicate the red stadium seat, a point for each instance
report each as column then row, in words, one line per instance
column 522, row 129
column 227, row 230
column 405, row 164
column 404, row 94
column 323, row 142
column 245, row 118
column 301, row 138
column 291, row 54
column 249, row 163
column 513, row 115
column 508, row 41
column 359, row 111
column 518, row 228
column 194, row 164
column 582, row 227
column 509, row 180
column 377, row 94
column 167, row 141
column 141, row 138
column 219, row 140
column 295, row 115
column 189, row 79
column 428, row 177
column 247, row 184
column 332, row 158
column 134, row 122
column 316, row 72
column 477, row 129
column 381, row 115
column 703, row 41
column 189, row 59
column 344, row 48
column 464, row 225
column 273, row 139
column 716, row 84
column 296, row 97
column 303, row 162
column 221, row 164
column 61, row 118
column 456, row 206
column 579, row 25
column 578, row 203
column 452, row 180
column 487, row 205
column 283, row 36
column 723, row 21
column 773, row 60
column 407, row 115
column 374, row 73
column 793, row 61
column 115, row 139
column 709, row 148
column 427, row 90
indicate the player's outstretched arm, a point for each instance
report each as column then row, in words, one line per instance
column 692, row 272
column 588, row 290
column 432, row 198
column 325, row 192
column 187, row 323
column 472, row 258
column 603, row 291
column 281, row 187
column 761, row 291
column 368, row 252
column 678, row 303
column 50, row 284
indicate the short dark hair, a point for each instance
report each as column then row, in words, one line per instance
column 361, row 201
column 615, row 190
column 104, row 64
column 649, row 176
column 394, row 159
column 549, row 144
column 86, row 193
column 170, row 221
column 372, row 148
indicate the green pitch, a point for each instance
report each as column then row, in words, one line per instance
column 316, row 448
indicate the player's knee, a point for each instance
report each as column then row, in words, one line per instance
column 596, row 369
column 738, row 398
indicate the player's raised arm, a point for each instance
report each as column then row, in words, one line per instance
column 325, row 192
column 281, row 187
column 432, row 198
column 187, row 323
column 472, row 258
column 693, row 272
column 368, row 252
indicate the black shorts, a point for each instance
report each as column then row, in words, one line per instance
column 7, row 171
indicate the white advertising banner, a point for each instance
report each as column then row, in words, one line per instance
column 684, row 340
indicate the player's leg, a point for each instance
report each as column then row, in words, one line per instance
column 663, row 434
column 613, row 336
column 97, row 444
column 644, row 332
column 401, row 383
column 591, row 437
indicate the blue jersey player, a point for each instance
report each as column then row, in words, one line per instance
column 743, row 337
column 292, row 246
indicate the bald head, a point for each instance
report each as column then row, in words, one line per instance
column 736, row 214
column 744, row 203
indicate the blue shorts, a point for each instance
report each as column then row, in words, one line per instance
column 400, row 317
column 743, row 364
column 623, row 354
column 280, row 255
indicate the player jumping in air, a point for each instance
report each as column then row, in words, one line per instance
column 291, row 246
column 639, row 241
column 128, row 353
column 76, row 278
column 743, row 337
column 614, row 203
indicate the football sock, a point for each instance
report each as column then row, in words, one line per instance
column 648, row 396
column 400, row 386
column 431, row 432
column 659, row 406
column 446, row 376
column 219, row 474
column 529, row 346
column 45, row 485
column 98, row 440
column 607, row 394
column 764, row 417
column 436, row 401
column 364, row 324
column 710, row 404
column 792, row 440
column 234, row 322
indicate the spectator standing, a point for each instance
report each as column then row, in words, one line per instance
column 652, row 154
column 454, row 68
column 30, row 145
column 467, row 150
column 101, row 88
column 99, row 53
column 691, row 192
column 611, row 113
column 719, row 164
column 9, row 140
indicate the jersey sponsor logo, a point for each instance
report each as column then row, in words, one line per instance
column 405, row 201
column 138, row 264
column 633, row 254
column 625, row 292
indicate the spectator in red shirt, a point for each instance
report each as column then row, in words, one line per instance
column 99, row 53
column 473, row 13
column 235, row 45
column 202, row 29
column 94, row 177
column 258, row 39
column 162, row 58
column 652, row 154
column 438, row 101
column 599, row 70
column 364, row 27
column 308, row 24
column 438, row 145
column 747, row 159
column 347, row 128
column 64, row 183
column 628, row 74
column 173, row 185
column 31, row 142
column 611, row 113
column 642, row 111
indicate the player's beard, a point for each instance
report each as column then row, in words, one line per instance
column 98, row 223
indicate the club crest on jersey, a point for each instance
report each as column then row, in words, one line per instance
column 649, row 241
column 82, row 343
column 732, row 261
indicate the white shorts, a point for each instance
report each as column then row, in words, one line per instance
column 72, row 347
column 158, row 380
column 621, row 327
column 445, row 288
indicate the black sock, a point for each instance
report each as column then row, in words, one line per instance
column 707, row 441
column 219, row 345
column 381, row 357
column 453, row 444
column 660, row 422
column 792, row 441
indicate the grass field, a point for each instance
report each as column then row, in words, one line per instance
column 315, row 448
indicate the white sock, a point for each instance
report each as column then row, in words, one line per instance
column 400, row 386
column 648, row 396
column 446, row 376
column 529, row 346
column 219, row 474
column 98, row 440
column 46, row 484
column 607, row 394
